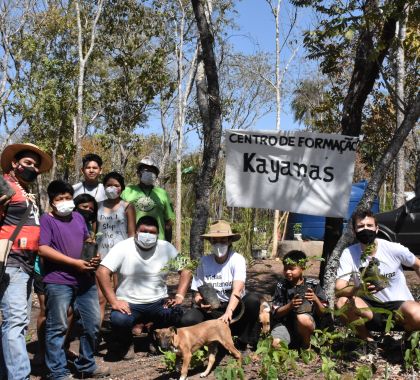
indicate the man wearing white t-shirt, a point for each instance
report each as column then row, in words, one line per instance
column 142, row 294
column 395, row 297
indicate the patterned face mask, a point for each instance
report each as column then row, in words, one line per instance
column 112, row 192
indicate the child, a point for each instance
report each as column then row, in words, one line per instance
column 68, row 283
column 91, row 170
column 116, row 221
column 87, row 206
column 297, row 302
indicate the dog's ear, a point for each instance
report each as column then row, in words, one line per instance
column 173, row 329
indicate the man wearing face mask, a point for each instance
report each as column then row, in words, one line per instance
column 225, row 271
column 21, row 164
column 359, row 298
column 149, row 199
column 142, row 294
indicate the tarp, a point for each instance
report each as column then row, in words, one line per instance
column 303, row 172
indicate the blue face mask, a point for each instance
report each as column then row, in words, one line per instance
column 146, row 240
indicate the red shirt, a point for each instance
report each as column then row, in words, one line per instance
column 25, row 245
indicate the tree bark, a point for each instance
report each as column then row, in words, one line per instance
column 365, row 72
column 210, row 111
column 411, row 116
column 399, row 107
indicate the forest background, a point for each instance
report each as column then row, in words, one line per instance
column 129, row 78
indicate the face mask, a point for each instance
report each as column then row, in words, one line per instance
column 148, row 178
column 146, row 240
column 219, row 249
column 88, row 215
column 112, row 192
column 366, row 236
column 64, row 208
column 27, row 173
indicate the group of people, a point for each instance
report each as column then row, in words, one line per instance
column 131, row 228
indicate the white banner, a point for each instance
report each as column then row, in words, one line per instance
column 302, row 172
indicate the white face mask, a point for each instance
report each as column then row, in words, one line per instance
column 148, row 178
column 112, row 192
column 64, row 208
column 219, row 249
column 146, row 240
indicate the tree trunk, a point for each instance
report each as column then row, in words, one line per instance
column 375, row 183
column 399, row 107
column 210, row 110
column 365, row 71
column 78, row 122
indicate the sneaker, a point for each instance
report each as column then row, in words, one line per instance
column 98, row 373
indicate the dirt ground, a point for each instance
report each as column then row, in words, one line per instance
column 262, row 278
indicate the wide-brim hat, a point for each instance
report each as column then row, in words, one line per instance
column 220, row 229
column 10, row 152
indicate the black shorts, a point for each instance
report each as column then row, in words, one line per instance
column 378, row 322
column 39, row 286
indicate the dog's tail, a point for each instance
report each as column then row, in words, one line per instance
column 241, row 312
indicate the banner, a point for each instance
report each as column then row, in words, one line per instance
column 303, row 172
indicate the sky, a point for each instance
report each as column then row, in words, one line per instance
column 256, row 32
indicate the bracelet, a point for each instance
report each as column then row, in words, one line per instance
column 180, row 296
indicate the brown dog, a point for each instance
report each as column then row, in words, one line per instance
column 264, row 316
column 186, row 340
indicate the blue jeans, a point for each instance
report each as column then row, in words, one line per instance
column 15, row 307
column 150, row 312
column 58, row 299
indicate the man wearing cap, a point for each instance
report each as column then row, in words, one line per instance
column 149, row 199
column 225, row 271
column 21, row 164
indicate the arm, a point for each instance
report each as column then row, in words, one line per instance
column 237, row 289
column 185, row 277
column 103, row 274
column 416, row 266
column 48, row 253
column 131, row 220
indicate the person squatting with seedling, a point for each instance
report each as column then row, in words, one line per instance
column 298, row 303
column 142, row 293
column 370, row 275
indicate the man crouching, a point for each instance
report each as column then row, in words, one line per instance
column 142, row 293
column 370, row 275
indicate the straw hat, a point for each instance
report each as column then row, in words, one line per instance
column 10, row 152
column 221, row 229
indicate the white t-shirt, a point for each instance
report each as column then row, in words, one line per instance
column 391, row 257
column 220, row 276
column 98, row 192
column 140, row 280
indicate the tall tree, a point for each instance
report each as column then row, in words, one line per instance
column 86, row 38
column 399, row 64
column 210, row 110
